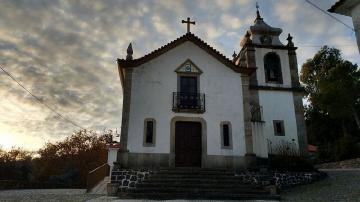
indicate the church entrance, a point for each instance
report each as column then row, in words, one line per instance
column 187, row 144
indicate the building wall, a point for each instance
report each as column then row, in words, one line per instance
column 279, row 105
column 276, row 105
column 153, row 84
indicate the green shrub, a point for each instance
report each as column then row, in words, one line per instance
column 290, row 163
column 287, row 157
column 346, row 148
column 326, row 153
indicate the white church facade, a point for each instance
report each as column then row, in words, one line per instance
column 187, row 105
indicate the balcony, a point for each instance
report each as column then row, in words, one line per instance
column 188, row 102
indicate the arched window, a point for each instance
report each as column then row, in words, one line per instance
column 272, row 68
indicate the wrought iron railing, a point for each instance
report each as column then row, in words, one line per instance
column 188, row 102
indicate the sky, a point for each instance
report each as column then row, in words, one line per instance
column 65, row 52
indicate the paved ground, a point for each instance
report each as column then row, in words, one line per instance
column 351, row 163
column 114, row 200
column 48, row 195
column 341, row 185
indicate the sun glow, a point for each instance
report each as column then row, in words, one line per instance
column 10, row 138
column 6, row 139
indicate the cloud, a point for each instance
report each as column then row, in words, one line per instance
column 231, row 22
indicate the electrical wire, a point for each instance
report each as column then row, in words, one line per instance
column 40, row 101
column 335, row 18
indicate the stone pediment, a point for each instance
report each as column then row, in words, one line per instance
column 188, row 67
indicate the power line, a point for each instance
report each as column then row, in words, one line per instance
column 349, row 45
column 39, row 100
column 335, row 18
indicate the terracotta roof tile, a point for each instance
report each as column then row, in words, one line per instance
column 186, row 37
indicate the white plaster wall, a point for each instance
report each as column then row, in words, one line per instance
column 285, row 70
column 153, row 84
column 260, row 144
column 278, row 105
column 112, row 157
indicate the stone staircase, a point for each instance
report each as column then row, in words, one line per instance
column 100, row 188
column 196, row 183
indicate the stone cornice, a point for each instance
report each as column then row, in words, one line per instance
column 271, row 46
column 276, row 88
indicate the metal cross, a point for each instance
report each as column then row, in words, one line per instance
column 188, row 22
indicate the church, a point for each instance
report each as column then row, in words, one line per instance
column 187, row 105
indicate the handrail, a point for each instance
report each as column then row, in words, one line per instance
column 97, row 175
column 97, row 168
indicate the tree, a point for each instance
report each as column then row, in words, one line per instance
column 15, row 164
column 68, row 162
column 333, row 86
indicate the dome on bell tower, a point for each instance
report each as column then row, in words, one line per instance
column 261, row 33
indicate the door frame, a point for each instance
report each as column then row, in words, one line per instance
column 203, row 138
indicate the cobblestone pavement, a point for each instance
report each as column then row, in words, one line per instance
column 112, row 199
column 341, row 185
column 48, row 195
column 351, row 163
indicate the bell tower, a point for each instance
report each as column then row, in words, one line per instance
column 273, row 89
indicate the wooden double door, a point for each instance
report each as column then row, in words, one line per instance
column 187, row 144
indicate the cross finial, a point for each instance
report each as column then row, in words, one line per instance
column 258, row 17
column 188, row 22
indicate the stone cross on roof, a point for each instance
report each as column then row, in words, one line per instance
column 188, row 22
column 258, row 17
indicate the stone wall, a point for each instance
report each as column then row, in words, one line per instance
column 128, row 178
column 282, row 180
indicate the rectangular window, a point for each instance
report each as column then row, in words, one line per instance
column 226, row 138
column 188, row 84
column 149, row 132
column 226, row 135
column 279, row 129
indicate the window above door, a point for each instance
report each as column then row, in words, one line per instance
column 188, row 98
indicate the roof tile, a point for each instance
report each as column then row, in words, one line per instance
column 186, row 37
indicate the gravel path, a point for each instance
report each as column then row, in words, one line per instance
column 341, row 185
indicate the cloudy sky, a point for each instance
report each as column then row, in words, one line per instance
column 65, row 51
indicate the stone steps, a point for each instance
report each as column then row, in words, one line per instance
column 195, row 183
column 207, row 196
column 193, row 190
column 213, row 184
column 194, row 176
column 195, row 180
column 196, row 171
